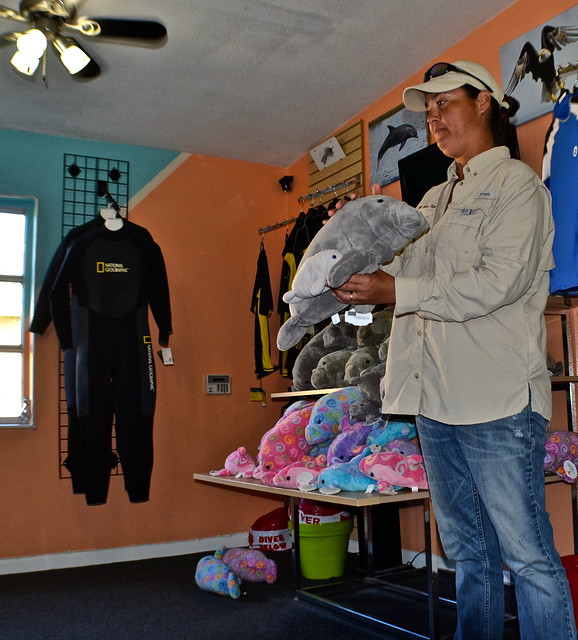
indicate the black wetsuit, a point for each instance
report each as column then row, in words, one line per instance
column 102, row 324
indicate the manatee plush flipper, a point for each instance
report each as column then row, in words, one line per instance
column 352, row 262
column 290, row 333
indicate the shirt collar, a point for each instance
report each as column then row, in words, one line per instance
column 486, row 160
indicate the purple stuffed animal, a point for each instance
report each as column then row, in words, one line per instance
column 250, row 565
column 562, row 454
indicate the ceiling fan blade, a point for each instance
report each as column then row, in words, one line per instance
column 143, row 30
column 11, row 14
column 9, row 38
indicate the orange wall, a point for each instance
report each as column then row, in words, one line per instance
column 205, row 217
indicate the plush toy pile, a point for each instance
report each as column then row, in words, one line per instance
column 340, row 442
column 339, row 353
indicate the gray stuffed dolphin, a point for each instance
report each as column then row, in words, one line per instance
column 363, row 234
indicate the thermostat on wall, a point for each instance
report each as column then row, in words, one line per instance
column 217, row 384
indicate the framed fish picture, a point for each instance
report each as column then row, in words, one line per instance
column 394, row 135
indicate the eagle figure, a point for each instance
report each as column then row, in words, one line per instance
column 541, row 64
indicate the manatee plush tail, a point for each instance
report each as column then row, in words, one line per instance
column 290, row 333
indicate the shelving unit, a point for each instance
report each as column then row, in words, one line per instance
column 563, row 319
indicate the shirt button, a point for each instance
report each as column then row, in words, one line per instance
column 419, row 332
column 416, row 375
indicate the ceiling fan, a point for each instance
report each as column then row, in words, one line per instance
column 49, row 21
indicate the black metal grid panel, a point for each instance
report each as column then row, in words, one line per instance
column 85, row 178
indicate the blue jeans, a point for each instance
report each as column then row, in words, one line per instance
column 487, row 486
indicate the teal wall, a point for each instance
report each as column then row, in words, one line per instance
column 32, row 165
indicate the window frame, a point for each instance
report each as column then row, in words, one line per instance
column 27, row 206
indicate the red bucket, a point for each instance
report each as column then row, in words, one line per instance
column 571, row 565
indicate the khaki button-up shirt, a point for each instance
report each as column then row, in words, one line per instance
column 468, row 340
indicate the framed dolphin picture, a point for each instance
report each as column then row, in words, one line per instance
column 394, row 135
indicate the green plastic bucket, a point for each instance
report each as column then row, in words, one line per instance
column 324, row 539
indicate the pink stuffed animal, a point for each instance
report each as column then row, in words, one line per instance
column 283, row 444
column 301, row 474
column 251, row 565
column 392, row 470
column 237, row 463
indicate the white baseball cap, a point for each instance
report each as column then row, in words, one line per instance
column 446, row 76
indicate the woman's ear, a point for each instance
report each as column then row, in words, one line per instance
column 484, row 99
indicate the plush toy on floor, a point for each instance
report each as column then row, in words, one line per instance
column 214, row 575
column 250, row 565
column 365, row 233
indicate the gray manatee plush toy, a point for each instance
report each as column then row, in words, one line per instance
column 368, row 408
column 331, row 338
column 363, row 234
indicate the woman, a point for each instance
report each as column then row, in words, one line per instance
column 467, row 357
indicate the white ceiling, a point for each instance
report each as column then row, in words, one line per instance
column 255, row 80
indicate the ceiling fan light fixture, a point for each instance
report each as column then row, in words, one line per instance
column 24, row 63
column 30, row 47
column 72, row 56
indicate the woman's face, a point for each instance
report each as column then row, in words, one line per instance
column 457, row 123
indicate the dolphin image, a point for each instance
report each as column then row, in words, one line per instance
column 396, row 136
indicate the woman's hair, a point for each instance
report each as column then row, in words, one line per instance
column 499, row 116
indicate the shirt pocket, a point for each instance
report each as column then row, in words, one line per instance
column 458, row 244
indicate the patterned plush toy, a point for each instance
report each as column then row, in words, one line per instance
column 250, row 565
column 393, row 470
column 384, row 432
column 301, row 474
column 348, row 443
column 562, row 454
column 283, row 444
column 330, row 415
column 239, row 462
column 212, row 574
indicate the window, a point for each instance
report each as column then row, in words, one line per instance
column 17, row 237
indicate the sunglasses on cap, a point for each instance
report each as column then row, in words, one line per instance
column 441, row 68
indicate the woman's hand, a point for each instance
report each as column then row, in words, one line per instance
column 367, row 288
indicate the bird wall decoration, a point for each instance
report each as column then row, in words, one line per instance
column 541, row 64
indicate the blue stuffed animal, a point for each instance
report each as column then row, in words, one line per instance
column 214, row 575
column 330, row 415
column 343, row 476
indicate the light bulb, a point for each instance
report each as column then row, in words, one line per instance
column 24, row 63
column 74, row 59
column 32, row 43
column 71, row 55
column 31, row 46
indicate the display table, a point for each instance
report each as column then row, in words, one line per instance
column 326, row 594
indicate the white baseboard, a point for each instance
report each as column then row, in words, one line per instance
column 72, row 559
